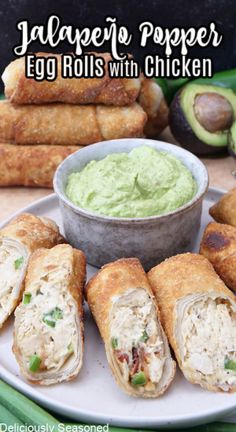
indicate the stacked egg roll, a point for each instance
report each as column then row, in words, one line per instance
column 126, row 313
column 48, row 329
column 106, row 90
column 57, row 124
column 31, row 165
column 22, row 236
column 198, row 313
column 70, row 112
column 218, row 245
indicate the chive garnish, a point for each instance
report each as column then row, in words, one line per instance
column 34, row 363
column 230, row 364
column 18, row 262
column 114, row 343
column 144, row 336
column 27, row 298
column 49, row 322
column 139, row 379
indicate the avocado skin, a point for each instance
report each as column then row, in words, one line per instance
column 232, row 140
column 183, row 132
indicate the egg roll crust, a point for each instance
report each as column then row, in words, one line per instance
column 38, row 264
column 218, row 245
column 177, row 278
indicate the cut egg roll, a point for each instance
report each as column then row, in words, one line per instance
column 48, row 329
column 152, row 101
column 126, row 313
column 218, row 245
column 57, row 124
column 31, row 165
column 224, row 211
column 198, row 313
column 18, row 240
column 106, row 90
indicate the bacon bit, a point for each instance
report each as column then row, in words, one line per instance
column 122, row 357
column 135, row 356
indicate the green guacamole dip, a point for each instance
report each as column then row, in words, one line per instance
column 144, row 182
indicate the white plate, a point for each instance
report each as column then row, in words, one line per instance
column 94, row 396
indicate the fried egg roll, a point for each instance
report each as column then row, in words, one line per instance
column 198, row 313
column 57, row 124
column 224, row 211
column 106, row 90
column 152, row 101
column 18, row 240
column 31, row 165
column 219, row 247
column 48, row 330
column 127, row 316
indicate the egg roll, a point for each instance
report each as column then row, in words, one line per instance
column 106, row 90
column 57, row 124
column 218, row 245
column 127, row 316
column 152, row 101
column 198, row 313
column 224, row 211
column 31, row 165
column 23, row 235
column 48, row 329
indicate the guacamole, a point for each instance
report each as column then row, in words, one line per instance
column 144, row 182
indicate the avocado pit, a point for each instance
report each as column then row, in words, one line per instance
column 213, row 111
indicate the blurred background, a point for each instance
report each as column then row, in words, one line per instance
column 81, row 13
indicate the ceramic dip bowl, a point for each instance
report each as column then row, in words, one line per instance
column 151, row 239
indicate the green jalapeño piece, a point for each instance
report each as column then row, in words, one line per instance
column 34, row 363
column 27, row 298
column 18, row 262
column 230, row 364
column 139, row 379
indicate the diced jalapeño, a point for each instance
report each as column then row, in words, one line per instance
column 139, row 379
column 34, row 363
column 27, row 298
column 230, row 364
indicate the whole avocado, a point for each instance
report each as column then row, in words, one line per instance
column 232, row 140
column 201, row 116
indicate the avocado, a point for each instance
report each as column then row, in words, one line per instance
column 232, row 140
column 201, row 116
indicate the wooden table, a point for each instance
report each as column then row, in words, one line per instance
column 220, row 172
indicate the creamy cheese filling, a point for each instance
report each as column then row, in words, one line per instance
column 136, row 339
column 12, row 264
column 209, row 340
column 47, row 324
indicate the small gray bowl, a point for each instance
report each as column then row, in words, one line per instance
column 151, row 239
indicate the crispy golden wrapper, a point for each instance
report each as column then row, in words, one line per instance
column 120, row 288
column 219, row 247
column 106, row 90
column 198, row 313
column 31, row 165
column 224, row 211
column 48, row 329
column 57, row 124
column 22, row 236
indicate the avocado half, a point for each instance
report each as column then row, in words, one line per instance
column 232, row 140
column 201, row 116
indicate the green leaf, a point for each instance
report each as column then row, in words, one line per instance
column 18, row 262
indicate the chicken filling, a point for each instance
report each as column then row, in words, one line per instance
column 12, row 263
column 47, row 332
column 209, row 341
column 136, row 340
